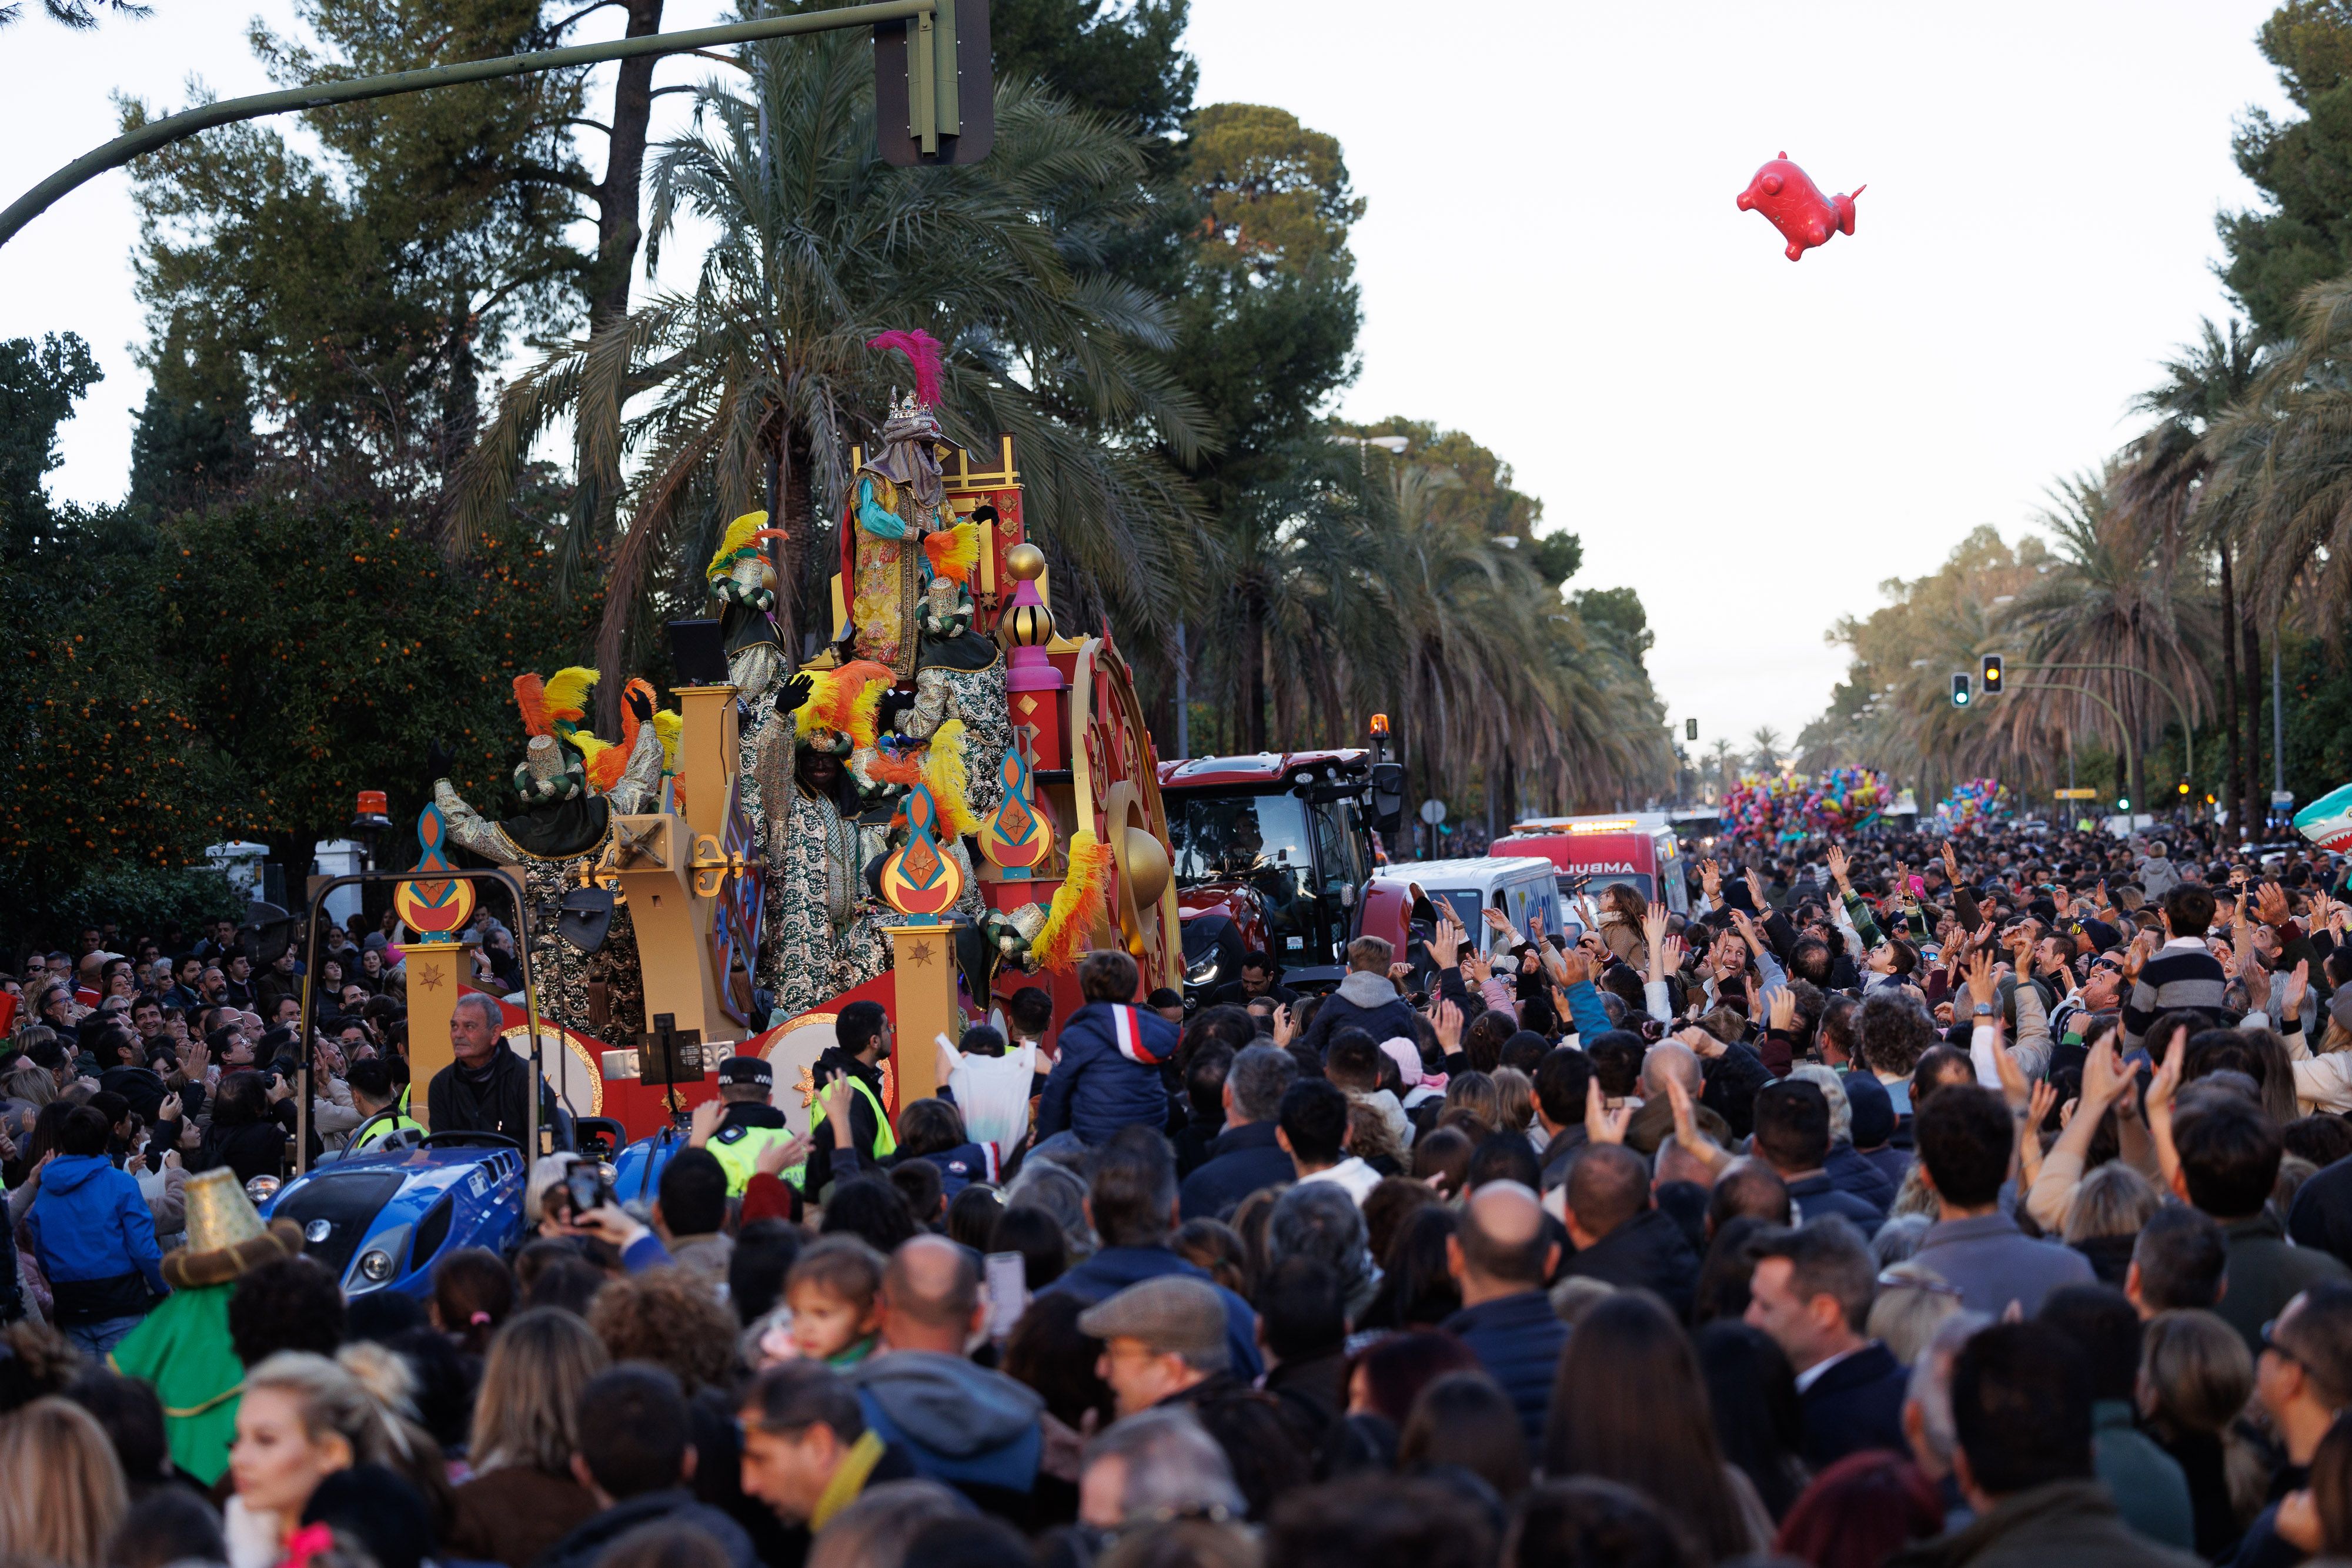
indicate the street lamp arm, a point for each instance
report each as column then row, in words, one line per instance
column 2179, row 709
column 157, row 133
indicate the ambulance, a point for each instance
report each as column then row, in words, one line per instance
column 1636, row 848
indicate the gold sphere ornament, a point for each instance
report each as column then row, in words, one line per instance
column 1024, row 562
column 1025, row 626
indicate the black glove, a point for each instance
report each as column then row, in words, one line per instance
column 640, row 703
column 438, row 759
column 983, row 513
column 887, row 711
column 797, row 692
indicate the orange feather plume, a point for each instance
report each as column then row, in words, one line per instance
column 1080, row 899
column 531, row 696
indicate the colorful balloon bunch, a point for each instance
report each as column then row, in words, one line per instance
column 1975, row 801
column 1784, row 808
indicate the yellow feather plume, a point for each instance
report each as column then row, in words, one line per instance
column 734, row 541
column 954, row 552
column 604, row 760
column 669, row 727
column 845, row 699
column 567, row 693
column 1077, row 903
column 950, row 778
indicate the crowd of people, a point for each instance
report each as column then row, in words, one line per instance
column 1984, row 1200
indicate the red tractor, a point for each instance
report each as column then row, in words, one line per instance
column 1272, row 853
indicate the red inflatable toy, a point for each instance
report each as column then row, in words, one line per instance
column 1787, row 196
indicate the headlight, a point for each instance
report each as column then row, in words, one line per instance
column 262, row 1188
column 375, row 1265
column 1203, row 973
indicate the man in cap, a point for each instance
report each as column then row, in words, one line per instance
column 1162, row 1339
column 1167, row 1346
column 739, row 1125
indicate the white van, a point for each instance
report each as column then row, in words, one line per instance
column 1519, row 885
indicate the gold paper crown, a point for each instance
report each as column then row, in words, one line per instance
column 219, row 1213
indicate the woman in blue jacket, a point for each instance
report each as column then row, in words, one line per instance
column 1110, row 1072
column 94, row 1238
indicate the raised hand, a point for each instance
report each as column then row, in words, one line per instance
column 1654, row 925
column 641, row 703
column 704, row 1125
column 2298, row 980
column 1497, row 920
column 438, row 759
column 1285, row 1028
column 1782, row 1010
column 794, row 693
column 1602, row 1125
column 1710, row 880
column 2270, row 905
column 1446, row 1021
column 1574, row 968
column 1837, row 867
column 1982, row 983
column 1445, row 943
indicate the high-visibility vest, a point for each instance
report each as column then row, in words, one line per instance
column 885, row 1142
column 738, row 1149
column 382, row 1125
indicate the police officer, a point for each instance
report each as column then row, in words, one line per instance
column 749, row 1124
column 861, row 1039
column 386, row 1112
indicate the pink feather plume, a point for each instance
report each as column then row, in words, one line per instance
column 922, row 350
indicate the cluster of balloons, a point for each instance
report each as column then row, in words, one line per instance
column 1975, row 801
column 1784, row 808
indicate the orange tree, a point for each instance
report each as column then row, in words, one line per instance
column 243, row 673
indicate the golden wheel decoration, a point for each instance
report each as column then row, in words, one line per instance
column 1115, row 778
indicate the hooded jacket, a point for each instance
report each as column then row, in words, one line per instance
column 1366, row 1002
column 961, row 1424
column 1109, row 1074
column 95, row 1240
column 2069, row 1521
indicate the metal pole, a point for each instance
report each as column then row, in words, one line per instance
column 2180, row 709
column 204, row 117
column 2278, row 723
column 2123, row 730
column 1183, row 695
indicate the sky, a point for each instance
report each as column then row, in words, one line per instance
column 1552, row 261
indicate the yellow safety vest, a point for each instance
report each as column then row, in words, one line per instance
column 885, row 1142
column 738, row 1151
column 400, row 1121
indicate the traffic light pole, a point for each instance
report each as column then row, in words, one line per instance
column 2179, row 709
column 204, row 117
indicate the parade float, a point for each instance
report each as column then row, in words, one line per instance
column 952, row 800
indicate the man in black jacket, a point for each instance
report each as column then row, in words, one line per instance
column 1810, row 1290
column 488, row 1088
column 1245, row 1156
column 1621, row 1237
column 636, row 1458
column 861, row 1039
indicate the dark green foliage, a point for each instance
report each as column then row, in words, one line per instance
column 39, row 384
column 2304, row 166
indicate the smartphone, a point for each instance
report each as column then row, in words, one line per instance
column 585, row 1185
column 1006, row 1280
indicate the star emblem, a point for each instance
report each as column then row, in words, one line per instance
column 807, row 1085
column 430, row 980
column 920, row 954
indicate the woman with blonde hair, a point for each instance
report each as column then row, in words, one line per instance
column 302, row 1418
column 2195, row 1379
column 523, row 1497
column 64, row 1493
column 2104, row 1220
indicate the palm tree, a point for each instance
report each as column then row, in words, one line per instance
column 758, row 381
column 1723, row 752
column 2162, row 476
column 1765, row 758
column 2113, row 595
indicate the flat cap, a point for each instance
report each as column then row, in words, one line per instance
column 1175, row 1314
